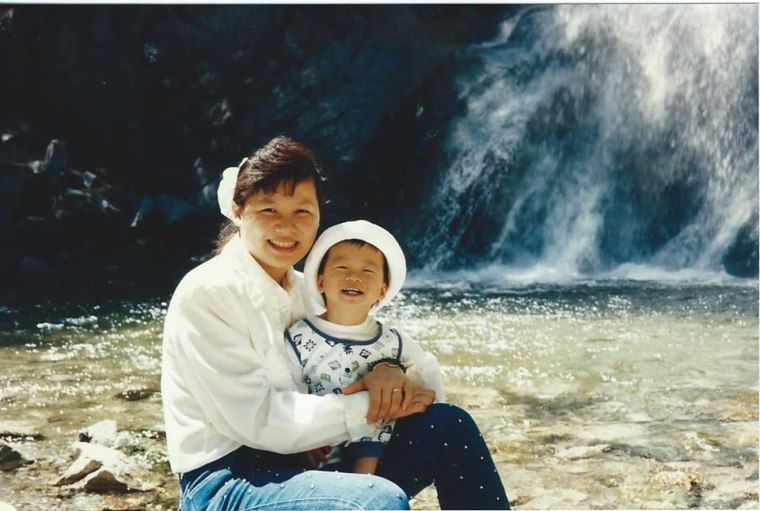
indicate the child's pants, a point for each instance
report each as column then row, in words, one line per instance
column 441, row 446
column 444, row 446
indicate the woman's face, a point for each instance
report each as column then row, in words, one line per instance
column 279, row 229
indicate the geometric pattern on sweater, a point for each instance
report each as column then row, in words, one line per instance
column 329, row 364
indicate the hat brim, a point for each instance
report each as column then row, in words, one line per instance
column 359, row 230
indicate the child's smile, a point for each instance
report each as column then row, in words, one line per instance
column 353, row 280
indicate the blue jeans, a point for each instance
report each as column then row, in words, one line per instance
column 441, row 446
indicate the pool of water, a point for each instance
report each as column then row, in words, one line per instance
column 593, row 395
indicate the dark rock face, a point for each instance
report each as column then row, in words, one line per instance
column 146, row 105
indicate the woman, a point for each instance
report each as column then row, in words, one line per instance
column 237, row 431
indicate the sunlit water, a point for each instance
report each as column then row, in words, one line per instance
column 592, row 395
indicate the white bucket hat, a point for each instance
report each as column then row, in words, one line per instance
column 357, row 230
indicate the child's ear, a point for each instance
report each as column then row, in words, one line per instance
column 383, row 290
column 320, row 283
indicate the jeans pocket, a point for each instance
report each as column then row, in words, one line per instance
column 199, row 493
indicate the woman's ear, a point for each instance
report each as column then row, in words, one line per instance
column 237, row 210
column 383, row 290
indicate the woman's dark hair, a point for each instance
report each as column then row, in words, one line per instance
column 281, row 162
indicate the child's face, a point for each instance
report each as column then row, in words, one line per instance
column 352, row 280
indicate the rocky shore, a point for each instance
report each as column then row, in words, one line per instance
column 544, row 465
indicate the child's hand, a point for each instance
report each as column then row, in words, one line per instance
column 315, row 457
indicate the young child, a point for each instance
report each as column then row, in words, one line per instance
column 353, row 270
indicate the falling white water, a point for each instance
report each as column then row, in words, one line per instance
column 603, row 136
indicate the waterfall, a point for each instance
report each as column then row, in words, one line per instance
column 601, row 139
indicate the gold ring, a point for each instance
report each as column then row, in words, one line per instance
column 397, row 390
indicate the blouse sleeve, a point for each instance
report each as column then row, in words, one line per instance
column 423, row 367
column 215, row 376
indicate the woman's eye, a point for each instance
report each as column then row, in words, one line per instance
column 303, row 212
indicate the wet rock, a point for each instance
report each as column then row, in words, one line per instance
column 88, row 178
column 101, row 469
column 519, row 500
column 10, row 459
column 155, row 433
column 203, row 175
column 106, row 433
column 6, row 25
column 104, row 481
column 206, row 198
column 174, row 209
column 678, row 478
column 145, row 211
column 636, row 451
column 20, row 431
column 56, row 157
column 581, row 452
column 104, row 205
column 91, row 460
column 80, row 469
column 728, row 490
column 137, row 394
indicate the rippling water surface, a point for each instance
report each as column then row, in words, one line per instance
column 625, row 395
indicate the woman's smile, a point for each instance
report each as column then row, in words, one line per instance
column 283, row 246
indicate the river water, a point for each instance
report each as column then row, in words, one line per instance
column 600, row 394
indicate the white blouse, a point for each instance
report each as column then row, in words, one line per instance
column 225, row 376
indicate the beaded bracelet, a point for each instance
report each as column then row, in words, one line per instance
column 392, row 362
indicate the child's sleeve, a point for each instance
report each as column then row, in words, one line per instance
column 373, row 444
column 294, row 362
column 423, row 367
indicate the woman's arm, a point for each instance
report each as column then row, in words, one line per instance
column 217, row 379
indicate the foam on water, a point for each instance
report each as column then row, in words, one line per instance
column 504, row 276
column 600, row 135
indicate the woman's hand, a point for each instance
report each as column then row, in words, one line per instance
column 419, row 402
column 390, row 392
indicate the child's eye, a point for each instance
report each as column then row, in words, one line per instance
column 266, row 210
column 303, row 212
column 367, row 270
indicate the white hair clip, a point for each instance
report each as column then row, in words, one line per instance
column 226, row 192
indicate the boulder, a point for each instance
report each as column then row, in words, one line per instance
column 137, row 394
column 174, row 209
column 10, row 459
column 100, row 469
column 78, row 470
column 56, row 157
column 20, row 431
column 105, row 481
column 147, row 205
column 105, row 433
